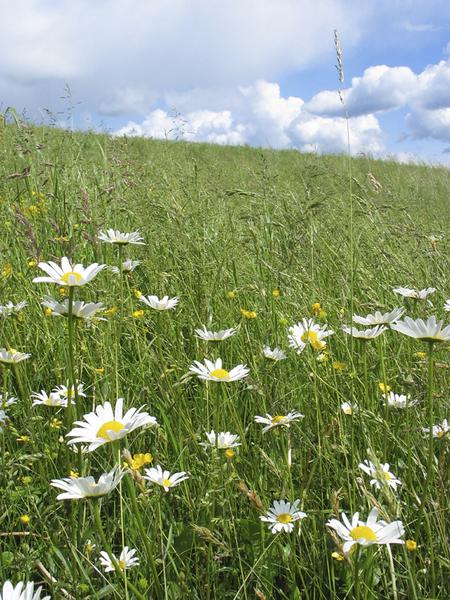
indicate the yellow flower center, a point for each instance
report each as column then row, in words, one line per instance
column 229, row 453
column 386, row 475
column 284, row 518
column 220, row 373
column 68, row 277
column 313, row 338
column 166, row 483
column 122, row 564
column 362, row 532
column 277, row 419
column 115, row 426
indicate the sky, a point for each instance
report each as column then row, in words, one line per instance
column 256, row 72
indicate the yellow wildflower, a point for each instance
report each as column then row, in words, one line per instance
column 110, row 311
column 63, row 291
column 138, row 314
column 410, row 545
column 26, row 480
column 23, row 438
column 137, row 293
column 55, row 423
column 231, row 295
column 48, row 311
column 339, row 366
column 276, row 293
column 337, row 556
column 248, row 314
column 74, row 473
column 100, row 370
column 420, row 355
column 25, row 519
column 7, row 271
column 230, row 453
column 384, row 388
column 316, row 308
column 32, row 263
column 139, row 460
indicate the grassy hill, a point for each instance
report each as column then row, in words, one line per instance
column 226, row 228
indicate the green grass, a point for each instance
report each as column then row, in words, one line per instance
column 216, row 220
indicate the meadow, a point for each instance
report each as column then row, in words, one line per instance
column 255, row 241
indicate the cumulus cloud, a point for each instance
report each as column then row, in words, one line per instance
column 262, row 117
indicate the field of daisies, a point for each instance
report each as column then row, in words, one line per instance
column 224, row 372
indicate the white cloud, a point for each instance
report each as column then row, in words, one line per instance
column 262, row 117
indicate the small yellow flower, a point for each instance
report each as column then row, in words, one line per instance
column 139, row 460
column 55, row 423
column 76, row 226
column 322, row 315
column 316, row 308
column 384, row 388
column 23, row 438
column 137, row 293
column 48, row 312
column 138, row 314
column 110, row 311
column 74, row 473
column 231, row 295
column 410, row 545
column 276, row 293
column 230, row 453
column 25, row 519
column 63, row 291
column 248, row 314
column 323, row 357
column 420, row 355
column 7, row 271
column 32, row 263
column 26, row 480
column 100, row 370
column 61, row 238
column 337, row 556
column 339, row 366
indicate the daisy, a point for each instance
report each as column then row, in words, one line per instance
column 45, row 399
column 279, row 420
column 379, row 318
column 366, row 534
column 164, row 478
column 306, row 332
column 80, row 309
column 78, row 488
column 381, row 475
column 366, row 334
column 214, row 336
column 276, row 354
column 165, row 303
column 282, row 515
column 222, row 440
column 64, row 392
column 114, row 236
column 126, row 560
column 68, row 274
column 439, row 430
column 106, row 425
column 3, row 417
column 428, row 331
column 7, row 401
column 128, row 266
column 399, row 400
column 348, row 409
column 10, row 308
column 12, row 356
column 21, row 591
column 213, row 371
column 414, row 293
column 447, row 305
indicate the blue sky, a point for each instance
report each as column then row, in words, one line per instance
column 240, row 72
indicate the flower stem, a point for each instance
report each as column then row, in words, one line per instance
column 430, row 470
column 98, row 523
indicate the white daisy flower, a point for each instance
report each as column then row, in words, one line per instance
column 126, row 560
column 365, row 334
column 278, row 420
column 78, row 488
column 12, row 356
column 381, row 475
column 214, row 336
column 7, row 401
column 414, row 293
column 68, row 274
column 222, row 441
column 165, row 303
column 379, row 318
column 9, row 309
column 108, row 425
column 21, row 591
column 439, row 430
column 128, row 266
column 114, row 236
column 366, row 534
column 64, row 392
column 53, row 399
column 447, row 305
column 308, row 332
column 164, row 478
column 276, row 354
column 213, row 371
column 3, row 417
column 348, row 409
column 428, row 331
column 282, row 515
column 80, row 310
column 399, row 400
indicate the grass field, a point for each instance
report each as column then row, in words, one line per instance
column 226, row 228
